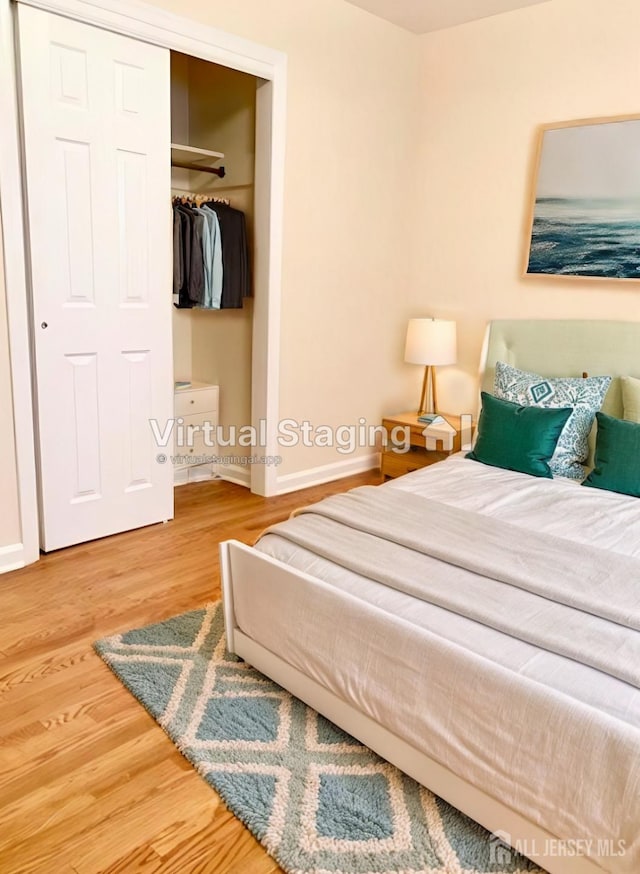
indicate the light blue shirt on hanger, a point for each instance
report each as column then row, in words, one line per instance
column 216, row 272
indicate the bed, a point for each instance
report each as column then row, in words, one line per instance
column 387, row 611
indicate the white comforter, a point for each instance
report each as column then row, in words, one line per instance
column 554, row 739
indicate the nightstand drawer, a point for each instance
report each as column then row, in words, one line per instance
column 398, row 463
column 204, row 400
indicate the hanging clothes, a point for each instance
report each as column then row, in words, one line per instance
column 211, row 255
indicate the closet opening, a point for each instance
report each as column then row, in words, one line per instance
column 213, row 177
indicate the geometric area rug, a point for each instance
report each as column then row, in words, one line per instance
column 316, row 799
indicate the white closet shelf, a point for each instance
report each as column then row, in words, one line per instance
column 194, row 155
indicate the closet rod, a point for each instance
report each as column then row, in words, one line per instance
column 198, row 168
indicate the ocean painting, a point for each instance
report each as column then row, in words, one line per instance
column 586, row 215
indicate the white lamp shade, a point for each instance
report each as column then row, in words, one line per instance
column 430, row 341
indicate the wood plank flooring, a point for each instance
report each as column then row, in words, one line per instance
column 88, row 781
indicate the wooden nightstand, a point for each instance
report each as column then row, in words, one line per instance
column 396, row 462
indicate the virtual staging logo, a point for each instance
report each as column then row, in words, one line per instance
column 346, row 439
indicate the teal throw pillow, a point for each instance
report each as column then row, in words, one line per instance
column 617, row 463
column 516, row 437
column 585, row 396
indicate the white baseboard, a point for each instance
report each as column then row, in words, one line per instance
column 288, row 482
column 315, row 476
column 236, row 473
column 12, row 557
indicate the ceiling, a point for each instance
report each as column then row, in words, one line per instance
column 422, row 16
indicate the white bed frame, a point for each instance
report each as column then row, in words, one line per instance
column 552, row 348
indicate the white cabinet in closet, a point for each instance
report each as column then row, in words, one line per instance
column 196, row 413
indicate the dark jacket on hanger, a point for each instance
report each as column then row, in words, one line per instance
column 178, row 256
column 188, row 240
column 236, row 276
column 182, row 218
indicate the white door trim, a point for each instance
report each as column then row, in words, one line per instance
column 154, row 25
column 176, row 33
column 18, row 313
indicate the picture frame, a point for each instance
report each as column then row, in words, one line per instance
column 584, row 220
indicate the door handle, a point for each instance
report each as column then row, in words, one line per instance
column 44, row 325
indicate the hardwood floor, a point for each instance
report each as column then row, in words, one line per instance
column 88, row 781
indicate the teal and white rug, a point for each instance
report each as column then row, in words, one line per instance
column 315, row 798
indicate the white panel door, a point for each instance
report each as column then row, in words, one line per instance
column 96, row 116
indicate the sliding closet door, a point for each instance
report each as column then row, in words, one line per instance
column 96, row 116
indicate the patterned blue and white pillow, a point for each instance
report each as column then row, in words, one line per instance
column 584, row 395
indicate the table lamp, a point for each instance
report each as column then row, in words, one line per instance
column 430, row 342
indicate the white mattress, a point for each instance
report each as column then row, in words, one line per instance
column 523, row 724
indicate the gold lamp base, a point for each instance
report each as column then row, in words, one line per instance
column 428, row 398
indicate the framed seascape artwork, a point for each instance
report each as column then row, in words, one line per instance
column 585, row 217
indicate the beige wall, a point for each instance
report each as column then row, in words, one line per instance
column 10, row 529
column 486, row 86
column 349, row 207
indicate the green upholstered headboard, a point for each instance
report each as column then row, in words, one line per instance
column 568, row 347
